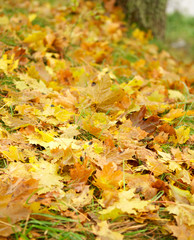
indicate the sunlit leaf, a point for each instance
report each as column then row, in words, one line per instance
column 108, row 178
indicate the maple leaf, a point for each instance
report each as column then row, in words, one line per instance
column 103, row 93
column 62, row 157
column 149, row 125
column 108, row 178
column 182, row 231
column 173, row 113
column 13, row 154
column 176, row 95
column 13, row 195
column 184, row 215
column 8, row 65
column 127, row 131
column 46, row 137
column 127, row 204
column 102, row 230
column 77, row 200
column 181, row 196
column 46, row 174
column 157, row 167
column 167, row 129
column 161, row 138
column 65, row 77
column 182, row 135
column 156, row 97
column 143, row 184
column 80, row 174
column 141, row 36
column 19, row 53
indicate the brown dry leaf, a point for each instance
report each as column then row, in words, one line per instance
column 149, row 124
column 43, row 73
column 118, row 157
column 182, row 231
column 13, row 196
column 109, row 197
column 73, row 199
column 161, row 138
column 18, row 122
column 128, row 131
column 167, row 129
column 104, row 233
column 62, row 156
column 103, row 94
column 156, row 166
column 143, row 184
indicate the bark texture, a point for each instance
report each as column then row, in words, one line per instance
column 148, row 14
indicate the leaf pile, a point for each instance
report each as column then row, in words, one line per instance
column 96, row 127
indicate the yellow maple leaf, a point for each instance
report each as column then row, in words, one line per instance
column 103, row 93
column 47, row 174
column 174, row 113
column 182, row 135
column 98, row 148
column 127, row 204
column 156, row 97
column 184, row 212
column 32, row 16
column 35, row 37
column 176, row 95
column 13, row 154
column 62, row 114
column 102, row 230
column 137, row 81
column 46, row 137
column 181, row 196
column 8, row 65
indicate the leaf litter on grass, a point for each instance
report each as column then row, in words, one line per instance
column 96, row 127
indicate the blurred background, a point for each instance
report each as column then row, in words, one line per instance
column 180, row 29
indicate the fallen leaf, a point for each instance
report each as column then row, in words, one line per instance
column 102, row 230
column 149, row 125
column 80, row 174
column 13, row 208
column 108, row 178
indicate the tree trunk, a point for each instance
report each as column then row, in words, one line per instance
column 148, row 14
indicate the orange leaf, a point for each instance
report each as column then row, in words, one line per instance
column 80, row 174
column 108, row 178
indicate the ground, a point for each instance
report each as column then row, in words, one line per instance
column 96, row 127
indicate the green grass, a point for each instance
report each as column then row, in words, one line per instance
column 52, row 227
column 181, row 27
column 42, row 22
column 151, row 231
column 9, row 11
column 10, row 41
column 178, row 28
